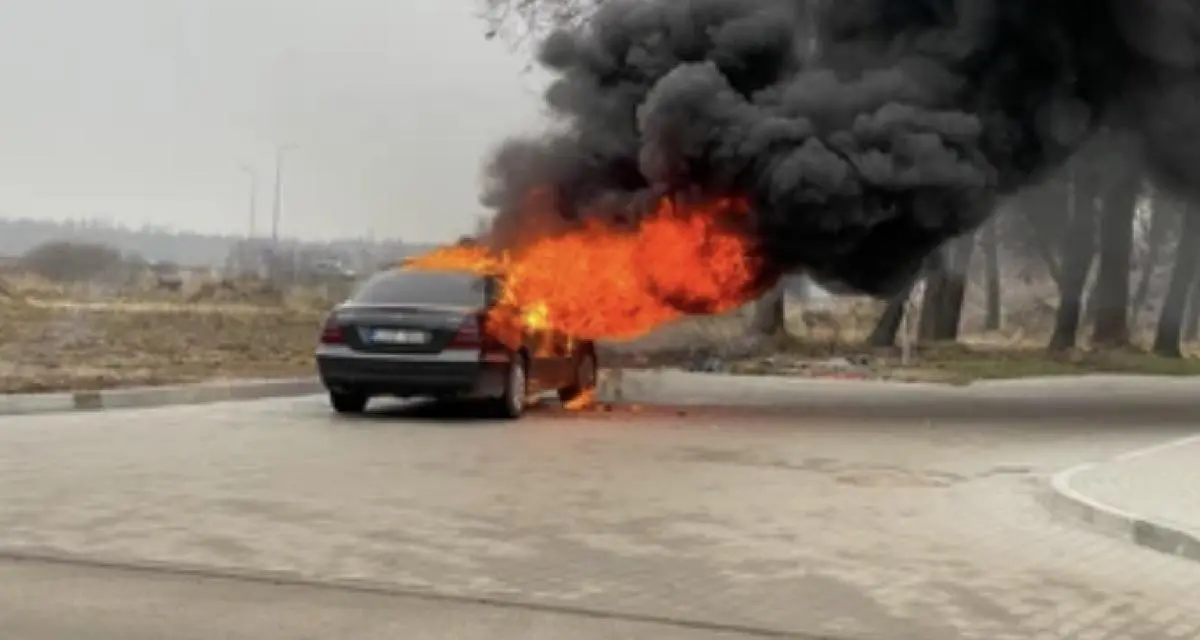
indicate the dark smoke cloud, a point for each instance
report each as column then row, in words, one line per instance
column 898, row 135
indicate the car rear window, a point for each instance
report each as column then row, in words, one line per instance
column 423, row 287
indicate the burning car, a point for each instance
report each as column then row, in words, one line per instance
column 446, row 334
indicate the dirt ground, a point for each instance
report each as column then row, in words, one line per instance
column 826, row 339
column 55, row 338
column 52, row 342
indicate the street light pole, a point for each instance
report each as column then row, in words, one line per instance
column 276, row 212
column 276, row 209
column 253, row 200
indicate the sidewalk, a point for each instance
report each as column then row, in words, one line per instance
column 1095, row 399
column 1150, row 497
column 160, row 396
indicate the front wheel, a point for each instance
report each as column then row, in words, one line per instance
column 348, row 401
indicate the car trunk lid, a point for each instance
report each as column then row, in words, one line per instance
column 401, row 328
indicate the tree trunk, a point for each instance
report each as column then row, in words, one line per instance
column 935, row 282
column 945, row 288
column 888, row 326
column 991, row 256
column 1170, row 321
column 1191, row 323
column 1112, row 281
column 1077, row 249
column 769, row 312
column 1154, row 242
column 954, row 289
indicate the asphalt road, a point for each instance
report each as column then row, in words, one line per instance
column 275, row 519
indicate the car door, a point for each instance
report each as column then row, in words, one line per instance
column 544, row 368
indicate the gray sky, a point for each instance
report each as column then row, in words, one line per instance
column 143, row 110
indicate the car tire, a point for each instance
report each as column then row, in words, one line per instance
column 584, row 380
column 348, row 402
column 511, row 403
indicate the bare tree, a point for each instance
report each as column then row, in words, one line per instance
column 945, row 289
column 1055, row 223
column 1112, row 281
column 1171, row 321
column 1117, row 182
column 1077, row 251
column 518, row 21
column 1191, row 321
column 888, row 326
column 962, row 251
column 1160, row 222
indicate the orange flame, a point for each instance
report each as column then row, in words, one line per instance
column 601, row 281
column 585, row 400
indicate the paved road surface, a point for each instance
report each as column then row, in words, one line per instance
column 752, row 522
column 50, row 601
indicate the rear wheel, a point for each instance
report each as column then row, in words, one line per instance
column 348, row 401
column 511, row 404
column 584, row 380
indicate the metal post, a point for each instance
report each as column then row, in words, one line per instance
column 277, row 204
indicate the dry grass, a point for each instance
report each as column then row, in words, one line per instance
column 838, row 329
column 51, row 342
column 963, row 363
column 59, row 337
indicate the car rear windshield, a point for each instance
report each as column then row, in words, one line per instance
column 423, row 287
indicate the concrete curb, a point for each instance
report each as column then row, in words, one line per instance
column 146, row 397
column 1068, row 502
column 1093, row 398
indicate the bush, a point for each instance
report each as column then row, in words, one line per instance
column 72, row 261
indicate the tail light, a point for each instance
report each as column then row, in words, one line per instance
column 469, row 336
column 331, row 332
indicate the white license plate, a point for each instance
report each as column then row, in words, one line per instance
column 399, row 336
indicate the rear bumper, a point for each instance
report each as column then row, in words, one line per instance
column 450, row 373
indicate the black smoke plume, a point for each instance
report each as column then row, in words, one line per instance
column 863, row 154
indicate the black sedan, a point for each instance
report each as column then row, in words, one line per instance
column 410, row 333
